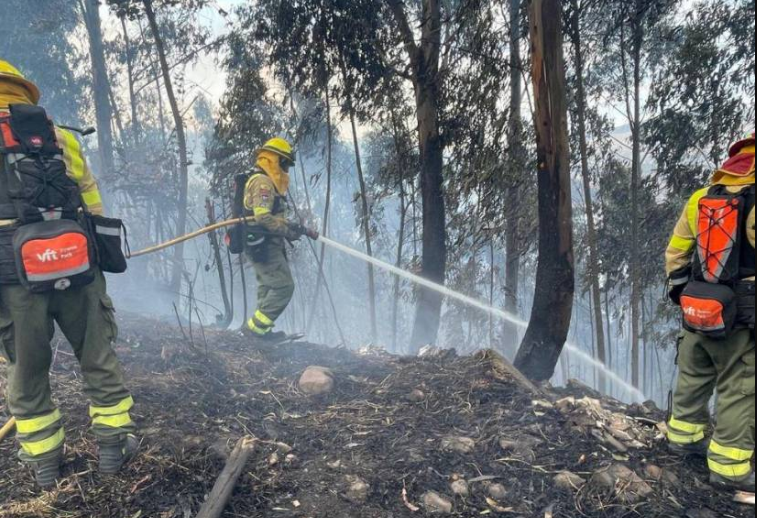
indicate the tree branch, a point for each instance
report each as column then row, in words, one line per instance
column 406, row 32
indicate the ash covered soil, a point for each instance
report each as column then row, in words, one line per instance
column 395, row 438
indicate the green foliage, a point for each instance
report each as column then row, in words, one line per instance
column 38, row 37
column 703, row 92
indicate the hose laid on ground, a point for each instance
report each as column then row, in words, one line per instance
column 188, row 237
column 9, row 426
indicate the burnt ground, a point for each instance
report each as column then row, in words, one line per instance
column 193, row 407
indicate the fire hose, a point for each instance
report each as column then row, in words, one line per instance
column 7, row 428
column 187, row 237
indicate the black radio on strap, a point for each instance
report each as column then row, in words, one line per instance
column 33, row 130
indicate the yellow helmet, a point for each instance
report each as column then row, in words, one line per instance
column 10, row 73
column 280, row 147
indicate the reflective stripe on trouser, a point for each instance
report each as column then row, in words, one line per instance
column 725, row 366
column 116, row 416
column 731, row 463
column 27, row 325
column 40, row 435
column 275, row 283
column 681, row 432
column 260, row 324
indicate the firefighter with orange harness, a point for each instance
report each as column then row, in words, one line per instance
column 711, row 266
column 51, row 272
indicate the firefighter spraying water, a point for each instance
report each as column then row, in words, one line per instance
column 633, row 393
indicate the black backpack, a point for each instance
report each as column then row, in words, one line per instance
column 47, row 245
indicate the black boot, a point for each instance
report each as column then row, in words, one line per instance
column 273, row 337
column 270, row 338
column 47, row 470
column 113, row 456
column 697, row 449
column 745, row 484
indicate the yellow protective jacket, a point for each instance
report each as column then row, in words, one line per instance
column 265, row 198
column 682, row 245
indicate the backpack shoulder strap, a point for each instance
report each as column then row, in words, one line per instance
column 8, row 143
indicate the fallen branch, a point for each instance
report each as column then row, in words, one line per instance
column 227, row 481
column 744, row 498
column 9, row 426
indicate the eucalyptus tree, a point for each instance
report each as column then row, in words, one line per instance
column 548, row 328
column 632, row 42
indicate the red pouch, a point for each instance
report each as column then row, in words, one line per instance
column 710, row 310
column 53, row 255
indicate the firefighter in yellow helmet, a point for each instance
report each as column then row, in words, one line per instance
column 265, row 202
column 711, row 264
column 83, row 312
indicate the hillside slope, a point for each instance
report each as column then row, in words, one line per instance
column 395, row 438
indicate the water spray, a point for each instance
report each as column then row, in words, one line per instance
column 498, row 313
column 635, row 393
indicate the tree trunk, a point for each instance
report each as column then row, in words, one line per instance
column 225, row 320
column 327, row 208
column 434, row 258
column 181, row 225
column 243, row 281
column 492, row 288
column 401, row 239
column 645, row 369
column 594, row 271
column 555, row 284
column 518, row 164
column 135, row 127
column 366, row 224
column 610, row 352
column 100, row 86
column 424, row 64
column 635, row 219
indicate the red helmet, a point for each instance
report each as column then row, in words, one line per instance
column 741, row 144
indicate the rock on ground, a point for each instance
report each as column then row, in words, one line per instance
column 460, row 488
column 462, row 445
column 569, row 482
column 497, row 491
column 317, row 381
column 623, row 483
column 658, row 474
column 357, row 489
column 437, row 504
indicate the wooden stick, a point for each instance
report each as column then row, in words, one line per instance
column 227, row 480
column 8, row 428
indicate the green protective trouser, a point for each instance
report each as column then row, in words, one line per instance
column 86, row 317
column 726, row 366
column 275, row 288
